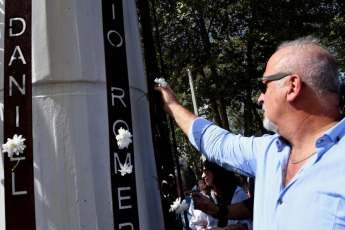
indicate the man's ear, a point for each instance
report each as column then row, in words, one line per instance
column 294, row 85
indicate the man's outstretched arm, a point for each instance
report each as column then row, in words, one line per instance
column 236, row 211
column 183, row 117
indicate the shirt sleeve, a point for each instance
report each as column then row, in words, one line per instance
column 233, row 152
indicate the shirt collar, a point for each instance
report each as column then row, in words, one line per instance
column 336, row 132
column 281, row 143
column 333, row 135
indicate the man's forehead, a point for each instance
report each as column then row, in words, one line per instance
column 279, row 54
column 276, row 58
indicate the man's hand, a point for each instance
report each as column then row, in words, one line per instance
column 168, row 98
column 231, row 227
column 204, row 204
column 237, row 211
column 183, row 117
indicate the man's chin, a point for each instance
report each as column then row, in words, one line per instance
column 269, row 125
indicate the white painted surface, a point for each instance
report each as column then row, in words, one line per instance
column 150, row 210
column 2, row 190
column 70, row 124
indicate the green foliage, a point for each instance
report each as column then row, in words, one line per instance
column 227, row 44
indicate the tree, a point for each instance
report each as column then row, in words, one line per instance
column 227, row 44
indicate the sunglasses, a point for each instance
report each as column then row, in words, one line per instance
column 274, row 77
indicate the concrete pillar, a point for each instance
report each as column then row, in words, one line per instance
column 70, row 123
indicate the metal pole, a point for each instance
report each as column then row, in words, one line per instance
column 195, row 106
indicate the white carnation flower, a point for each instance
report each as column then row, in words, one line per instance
column 178, row 206
column 125, row 169
column 161, row 82
column 123, row 138
column 14, row 146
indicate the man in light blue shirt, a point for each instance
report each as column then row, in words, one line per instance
column 300, row 171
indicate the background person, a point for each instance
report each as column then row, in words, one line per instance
column 200, row 220
column 224, row 191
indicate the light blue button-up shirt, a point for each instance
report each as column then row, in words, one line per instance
column 313, row 200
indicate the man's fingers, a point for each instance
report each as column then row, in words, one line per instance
column 196, row 205
column 169, row 89
column 196, row 195
column 158, row 88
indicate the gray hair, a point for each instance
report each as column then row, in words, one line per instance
column 316, row 65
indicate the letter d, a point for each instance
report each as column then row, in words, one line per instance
column 21, row 32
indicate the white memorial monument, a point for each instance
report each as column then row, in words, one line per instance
column 70, row 127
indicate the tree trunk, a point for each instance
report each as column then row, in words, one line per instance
column 223, row 114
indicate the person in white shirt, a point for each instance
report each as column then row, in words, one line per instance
column 225, row 191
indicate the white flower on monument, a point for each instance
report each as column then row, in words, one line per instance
column 14, row 146
column 178, row 206
column 124, row 138
column 125, row 169
column 161, row 82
